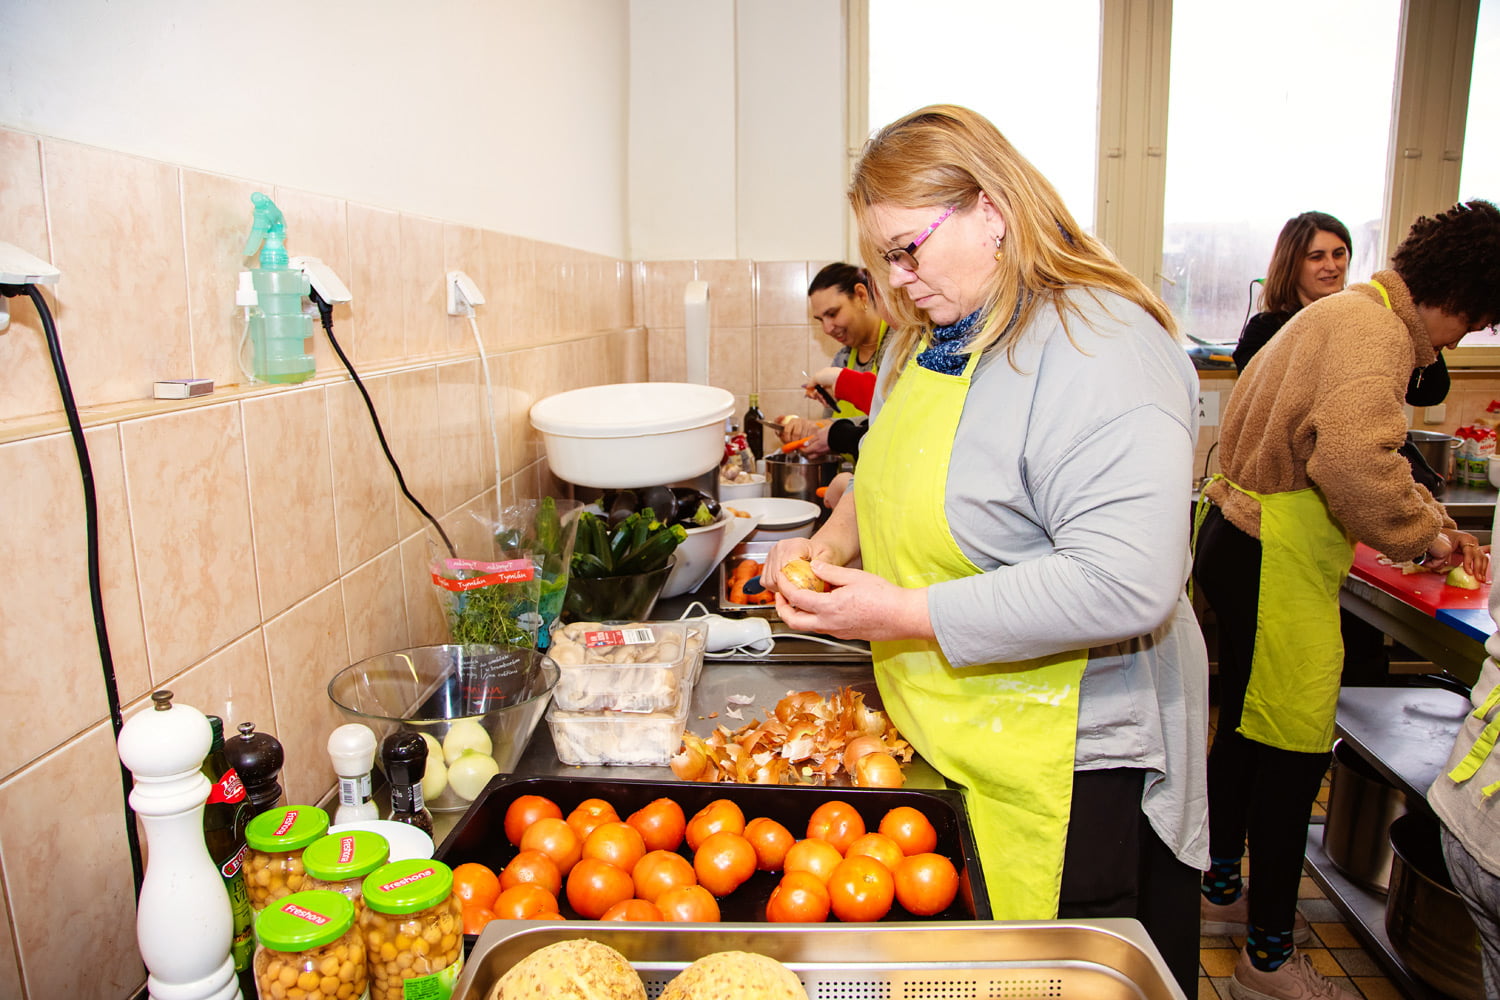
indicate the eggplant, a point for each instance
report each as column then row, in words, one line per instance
column 662, row 501
column 619, row 504
column 689, row 502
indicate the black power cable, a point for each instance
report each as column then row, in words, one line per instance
column 91, row 527
column 325, row 313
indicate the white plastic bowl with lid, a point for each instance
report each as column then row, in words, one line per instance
column 631, row 434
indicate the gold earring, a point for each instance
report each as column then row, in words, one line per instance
column 998, row 252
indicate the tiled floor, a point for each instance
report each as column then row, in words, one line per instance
column 1336, row 953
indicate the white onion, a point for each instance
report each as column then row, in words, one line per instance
column 465, row 734
column 468, row 775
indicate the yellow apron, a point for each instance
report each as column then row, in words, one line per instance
column 847, row 410
column 1006, row 731
column 1305, row 554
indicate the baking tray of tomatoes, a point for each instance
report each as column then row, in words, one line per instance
column 480, row 835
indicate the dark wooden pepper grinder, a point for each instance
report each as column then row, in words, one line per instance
column 257, row 757
column 404, row 755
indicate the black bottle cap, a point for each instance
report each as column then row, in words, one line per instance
column 404, row 755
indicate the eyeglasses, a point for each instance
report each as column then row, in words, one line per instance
column 905, row 257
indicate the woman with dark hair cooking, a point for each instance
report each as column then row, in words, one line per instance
column 1018, row 512
column 1310, row 261
column 1308, row 447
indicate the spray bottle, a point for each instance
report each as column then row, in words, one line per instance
column 278, row 327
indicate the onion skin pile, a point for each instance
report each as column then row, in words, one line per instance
column 805, row 739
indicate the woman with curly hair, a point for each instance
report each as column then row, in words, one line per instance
column 1309, row 451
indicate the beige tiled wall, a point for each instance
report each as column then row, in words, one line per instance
column 253, row 542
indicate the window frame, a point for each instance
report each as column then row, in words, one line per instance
column 1429, row 110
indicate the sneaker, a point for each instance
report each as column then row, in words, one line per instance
column 1295, row 980
column 1227, row 919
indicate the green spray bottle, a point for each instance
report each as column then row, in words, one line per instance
column 278, row 328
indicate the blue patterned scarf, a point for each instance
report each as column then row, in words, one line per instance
column 947, row 341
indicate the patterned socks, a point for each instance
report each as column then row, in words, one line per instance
column 1222, row 883
column 1268, row 951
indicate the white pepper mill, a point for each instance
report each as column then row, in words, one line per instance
column 351, row 747
column 183, row 924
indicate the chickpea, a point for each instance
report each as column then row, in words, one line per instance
column 406, row 946
column 329, row 972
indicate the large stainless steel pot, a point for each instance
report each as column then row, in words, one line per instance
column 1436, row 450
column 795, row 475
column 1427, row 922
column 1361, row 807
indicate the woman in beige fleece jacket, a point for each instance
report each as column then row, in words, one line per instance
column 1308, row 447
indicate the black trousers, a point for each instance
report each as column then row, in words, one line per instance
column 1255, row 791
column 1114, row 865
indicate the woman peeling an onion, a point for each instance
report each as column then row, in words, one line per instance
column 1020, row 522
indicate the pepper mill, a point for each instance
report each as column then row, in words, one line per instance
column 405, row 758
column 184, row 925
column 257, row 758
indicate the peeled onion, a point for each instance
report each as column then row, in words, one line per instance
column 878, row 770
column 466, row 734
column 468, row 775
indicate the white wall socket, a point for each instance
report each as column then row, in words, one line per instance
column 1435, row 414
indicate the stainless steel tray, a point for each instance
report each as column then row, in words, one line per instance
column 975, row 960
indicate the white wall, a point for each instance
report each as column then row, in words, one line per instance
column 350, row 97
column 649, row 129
column 736, row 129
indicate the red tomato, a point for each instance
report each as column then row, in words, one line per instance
column 589, row 815
column 771, row 841
column 817, row 857
column 526, row 901
column 594, row 886
column 475, row 917
column 723, row 862
column 926, row 884
column 911, row 831
column 861, row 889
column 475, row 884
column 801, row 898
column 532, row 866
column 837, row 822
column 877, row 846
column 659, row 871
column 688, row 903
column 661, row 824
column 632, row 909
column 556, row 839
column 618, row 843
column 720, row 814
column 526, row 810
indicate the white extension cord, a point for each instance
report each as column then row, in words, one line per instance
column 749, row 636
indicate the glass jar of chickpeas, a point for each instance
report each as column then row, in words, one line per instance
column 273, row 864
column 340, row 862
column 413, row 930
column 308, row 947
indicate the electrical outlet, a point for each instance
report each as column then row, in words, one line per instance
column 1208, row 408
column 1435, row 414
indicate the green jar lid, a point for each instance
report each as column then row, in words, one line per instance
column 338, row 857
column 287, row 828
column 304, row 920
column 408, row 886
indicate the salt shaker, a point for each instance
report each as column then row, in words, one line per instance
column 352, row 750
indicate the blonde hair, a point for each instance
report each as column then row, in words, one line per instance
column 946, row 156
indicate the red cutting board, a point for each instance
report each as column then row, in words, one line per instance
column 1425, row 591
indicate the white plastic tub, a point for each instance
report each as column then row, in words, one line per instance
column 633, row 434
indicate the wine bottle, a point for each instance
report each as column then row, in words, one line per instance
column 754, row 427
column 224, row 817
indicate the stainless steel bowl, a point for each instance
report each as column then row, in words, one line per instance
column 795, row 475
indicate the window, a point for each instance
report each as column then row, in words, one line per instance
column 1480, row 174
column 1043, row 93
column 1292, row 116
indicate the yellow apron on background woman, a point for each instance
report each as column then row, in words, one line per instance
column 1305, row 554
column 847, row 410
column 1006, row 731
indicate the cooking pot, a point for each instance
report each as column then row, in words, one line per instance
column 795, row 475
column 1436, row 450
column 1427, row 922
column 1361, row 807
